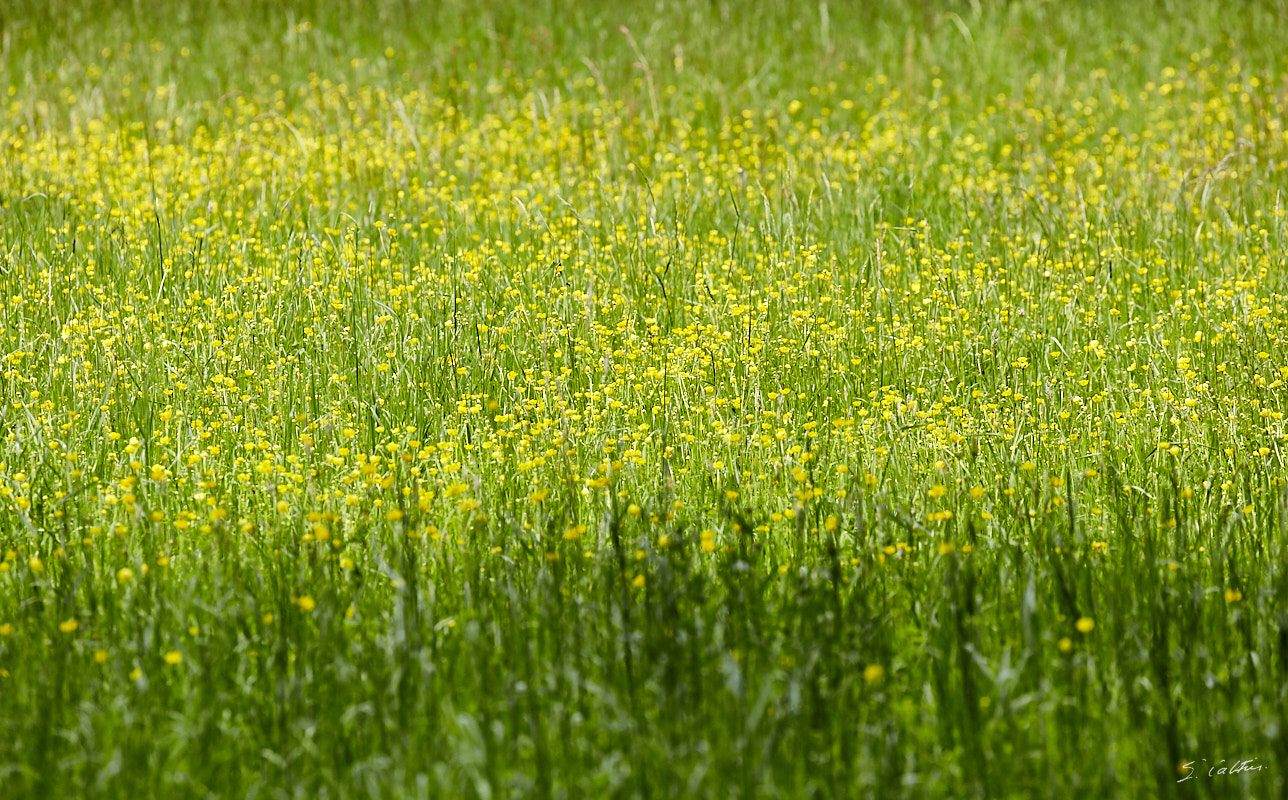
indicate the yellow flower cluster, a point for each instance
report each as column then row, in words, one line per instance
column 335, row 304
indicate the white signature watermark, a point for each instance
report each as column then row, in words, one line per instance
column 1222, row 768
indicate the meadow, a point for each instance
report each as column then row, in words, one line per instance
column 702, row 399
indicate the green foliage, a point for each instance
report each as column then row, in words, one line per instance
column 703, row 399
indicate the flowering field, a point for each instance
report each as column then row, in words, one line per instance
column 718, row 399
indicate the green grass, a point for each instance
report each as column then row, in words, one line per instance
column 703, row 399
